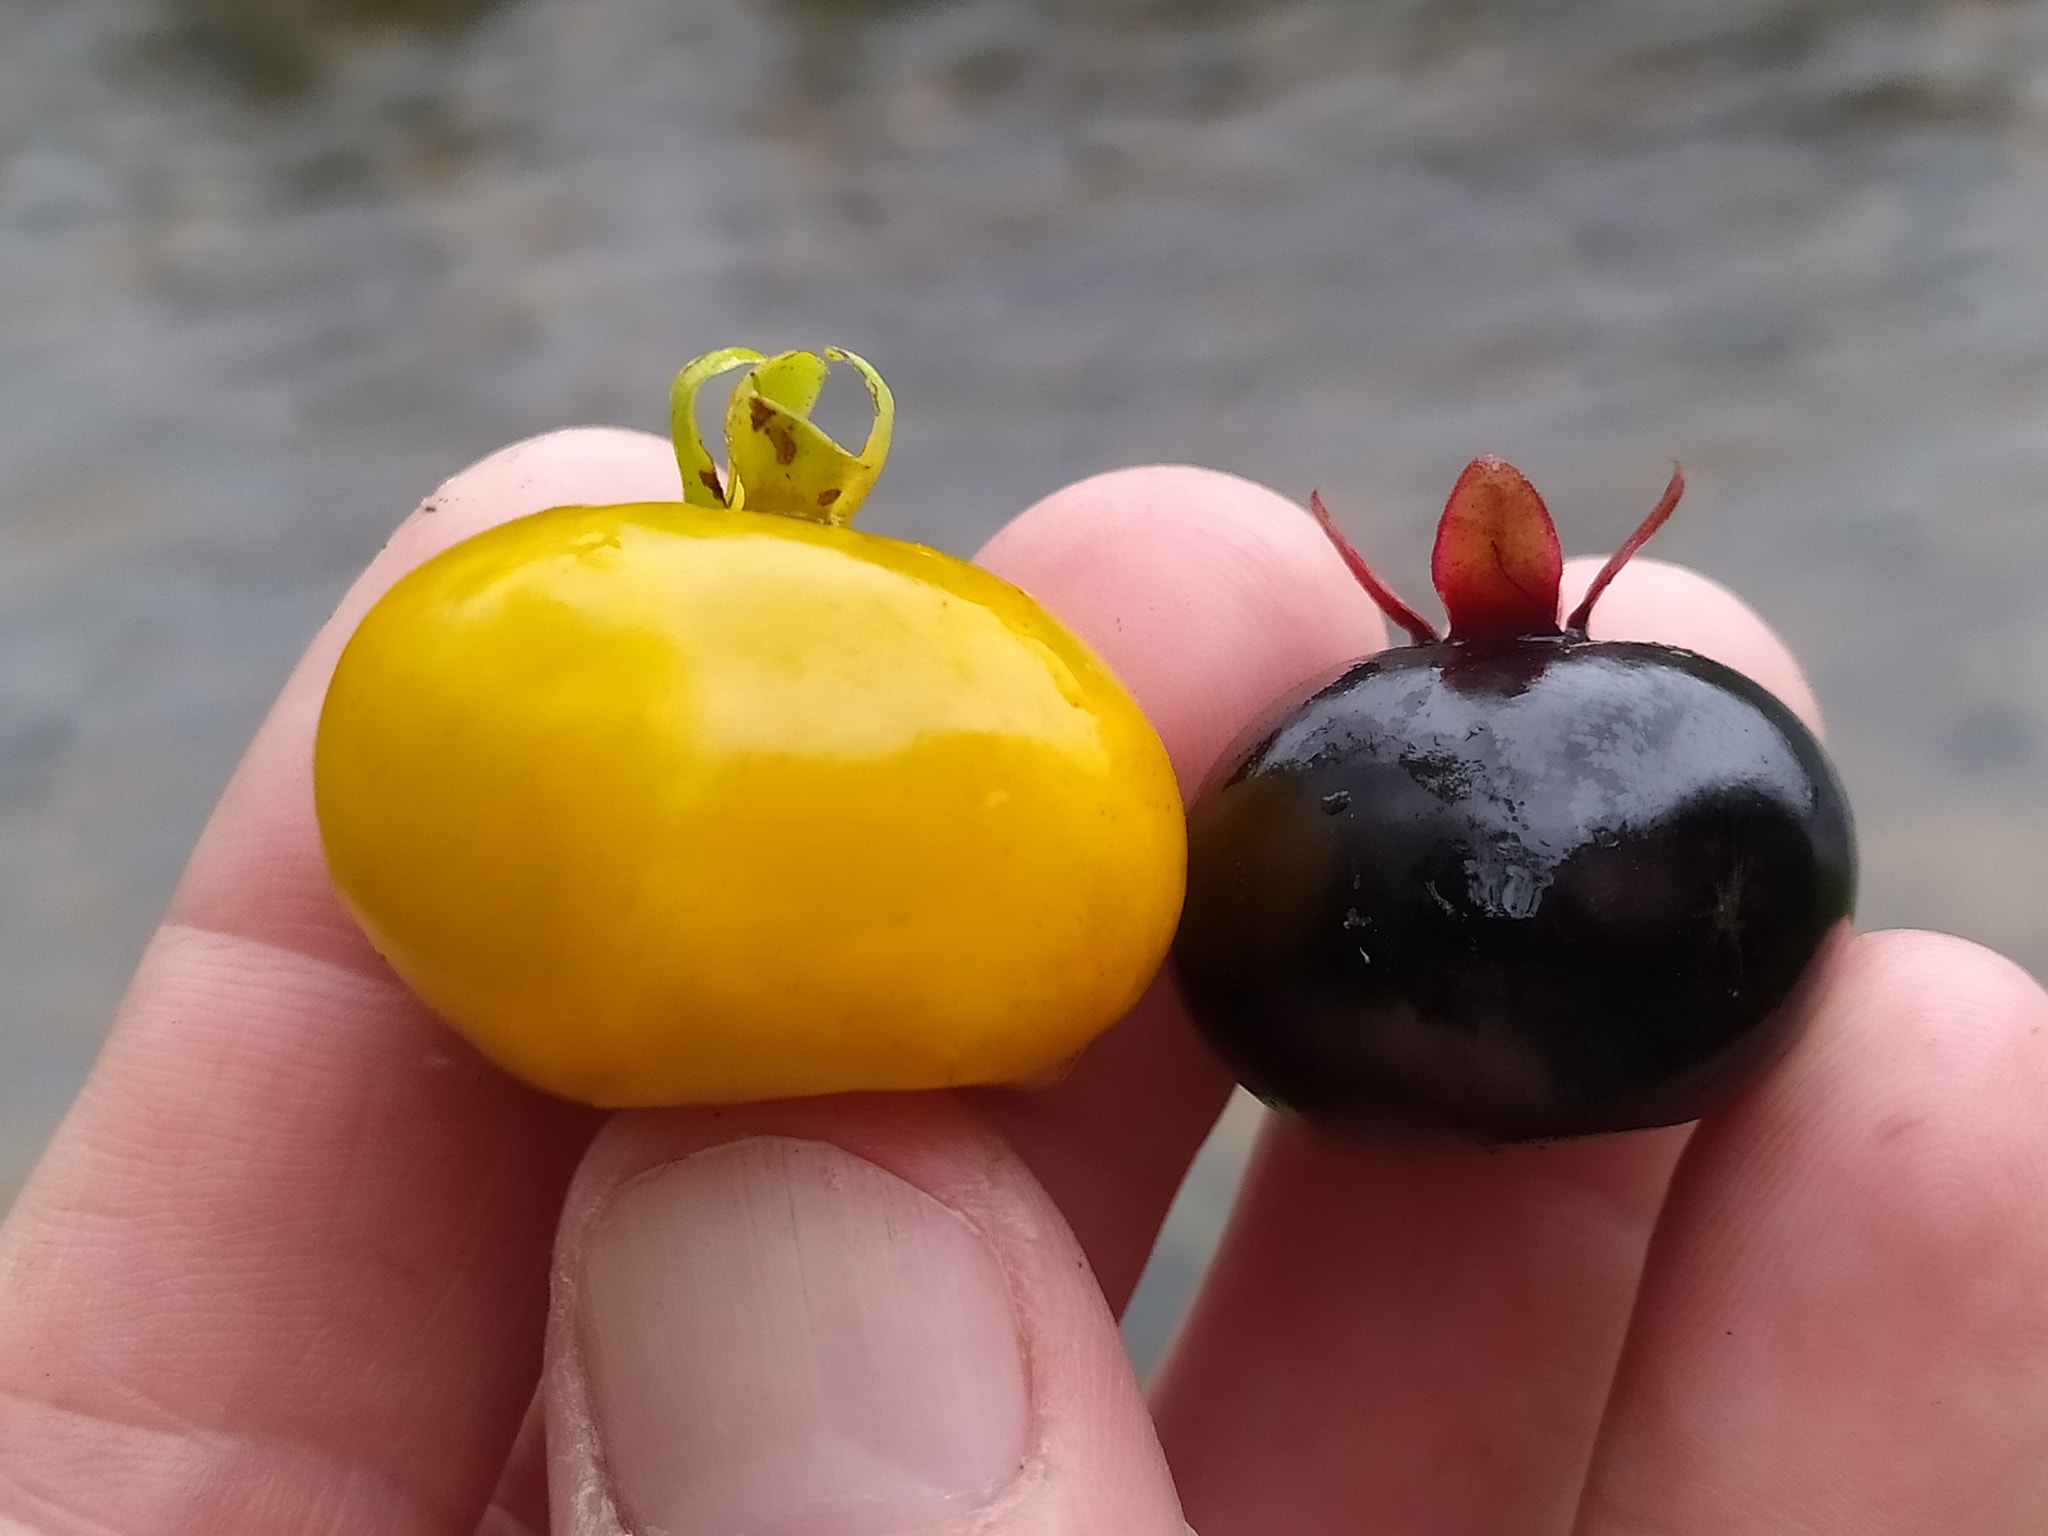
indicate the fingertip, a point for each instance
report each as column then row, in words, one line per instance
column 1944, row 966
column 1675, row 605
column 1918, row 1074
column 1207, row 594
column 1888, row 998
column 1860, row 1228
column 589, row 466
column 257, row 869
column 834, row 1314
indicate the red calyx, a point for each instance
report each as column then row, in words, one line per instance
column 1496, row 564
column 1666, row 504
column 1388, row 600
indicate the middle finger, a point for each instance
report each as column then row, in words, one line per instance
column 1209, row 596
column 1419, row 1338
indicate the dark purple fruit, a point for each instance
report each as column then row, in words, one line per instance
column 1515, row 884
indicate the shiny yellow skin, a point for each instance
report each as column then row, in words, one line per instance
column 667, row 804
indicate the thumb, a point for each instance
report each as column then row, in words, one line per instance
column 838, row 1317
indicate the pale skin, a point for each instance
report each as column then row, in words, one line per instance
column 286, row 1265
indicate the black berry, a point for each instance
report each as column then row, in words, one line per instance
column 1515, row 884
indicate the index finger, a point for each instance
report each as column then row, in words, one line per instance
column 285, row 1262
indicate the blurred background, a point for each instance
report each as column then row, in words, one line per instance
column 271, row 269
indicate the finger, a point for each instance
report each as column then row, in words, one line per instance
column 1844, row 1322
column 283, row 1266
column 258, row 872
column 844, row 1317
column 1210, row 597
column 1417, row 1338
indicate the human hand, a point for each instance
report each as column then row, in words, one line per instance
column 286, row 1265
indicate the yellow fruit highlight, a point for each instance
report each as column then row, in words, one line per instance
column 666, row 803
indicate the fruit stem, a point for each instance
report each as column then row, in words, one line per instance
column 777, row 460
column 1582, row 615
column 1420, row 630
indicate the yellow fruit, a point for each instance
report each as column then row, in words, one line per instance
column 696, row 803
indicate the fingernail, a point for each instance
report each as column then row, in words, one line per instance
column 781, row 1339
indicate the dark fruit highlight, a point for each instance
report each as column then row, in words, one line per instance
column 1514, row 884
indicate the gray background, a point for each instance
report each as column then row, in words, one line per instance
column 269, row 269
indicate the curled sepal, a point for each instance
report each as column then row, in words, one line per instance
column 1497, row 564
column 701, row 485
column 777, row 458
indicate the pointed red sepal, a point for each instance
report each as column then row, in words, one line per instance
column 1582, row 615
column 1497, row 564
column 1384, row 597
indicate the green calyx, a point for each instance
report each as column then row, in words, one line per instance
column 777, row 460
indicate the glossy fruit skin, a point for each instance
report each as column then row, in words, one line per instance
column 1515, row 891
column 666, row 804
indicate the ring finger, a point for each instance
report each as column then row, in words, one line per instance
column 1421, row 1338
